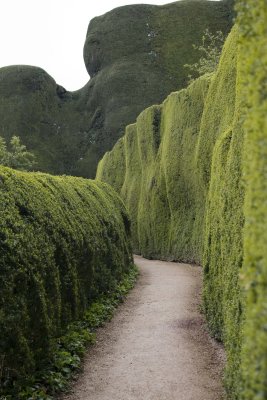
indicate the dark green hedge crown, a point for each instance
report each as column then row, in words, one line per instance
column 134, row 55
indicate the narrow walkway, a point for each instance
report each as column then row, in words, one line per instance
column 156, row 347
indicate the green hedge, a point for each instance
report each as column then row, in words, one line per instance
column 63, row 241
column 195, row 185
column 253, row 67
column 235, row 256
column 135, row 56
column 164, row 185
column 152, row 180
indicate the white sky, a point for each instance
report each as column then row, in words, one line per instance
column 51, row 34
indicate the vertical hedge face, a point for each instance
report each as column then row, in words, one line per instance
column 167, row 158
column 63, row 240
column 253, row 22
column 224, row 219
column 154, row 175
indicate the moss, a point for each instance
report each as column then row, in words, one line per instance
column 63, row 241
column 135, row 56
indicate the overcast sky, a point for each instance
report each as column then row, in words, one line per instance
column 51, row 34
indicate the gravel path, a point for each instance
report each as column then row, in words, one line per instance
column 156, row 347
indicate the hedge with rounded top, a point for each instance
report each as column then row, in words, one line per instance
column 63, row 240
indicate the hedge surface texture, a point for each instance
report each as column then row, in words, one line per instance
column 157, row 179
column 253, row 65
column 63, row 241
column 192, row 173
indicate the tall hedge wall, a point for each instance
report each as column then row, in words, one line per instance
column 235, row 251
column 194, row 181
column 253, row 66
column 63, row 240
column 165, row 185
column 222, row 256
column 156, row 179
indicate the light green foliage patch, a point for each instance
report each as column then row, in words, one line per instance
column 17, row 156
column 209, row 55
column 63, row 241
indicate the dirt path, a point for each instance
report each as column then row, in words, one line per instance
column 156, row 347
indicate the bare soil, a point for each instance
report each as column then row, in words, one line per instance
column 157, row 346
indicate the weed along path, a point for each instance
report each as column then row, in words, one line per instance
column 156, row 347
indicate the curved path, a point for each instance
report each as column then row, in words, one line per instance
column 156, row 347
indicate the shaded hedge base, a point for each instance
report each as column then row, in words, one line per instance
column 68, row 350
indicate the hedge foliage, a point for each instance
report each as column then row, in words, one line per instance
column 194, row 181
column 154, row 174
column 253, row 66
column 134, row 55
column 63, row 241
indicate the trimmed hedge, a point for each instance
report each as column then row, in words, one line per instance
column 223, row 223
column 253, row 66
column 134, row 55
column 194, row 182
column 154, row 174
column 235, row 256
column 63, row 241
